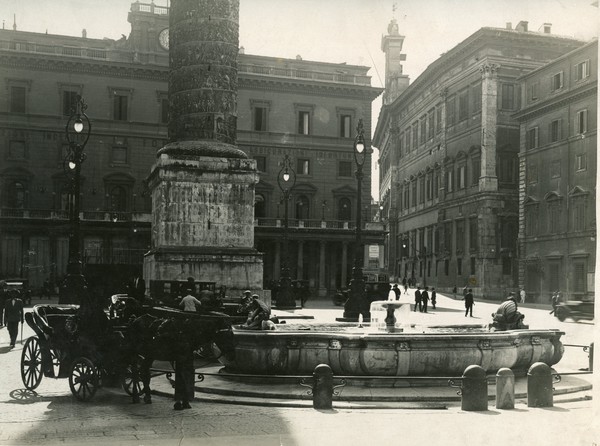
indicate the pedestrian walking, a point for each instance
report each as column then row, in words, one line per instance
column 418, row 299
column 522, row 295
column 396, row 291
column 13, row 314
column 424, row 299
column 469, row 302
column 433, row 297
column 405, row 287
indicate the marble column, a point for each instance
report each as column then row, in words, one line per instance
column 202, row 184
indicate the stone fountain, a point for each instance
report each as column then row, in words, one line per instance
column 389, row 346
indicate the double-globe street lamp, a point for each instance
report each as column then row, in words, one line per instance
column 357, row 302
column 286, row 180
column 77, row 130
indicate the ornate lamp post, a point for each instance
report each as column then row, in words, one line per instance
column 286, row 181
column 77, row 130
column 357, row 302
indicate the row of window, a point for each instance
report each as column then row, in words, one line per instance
column 555, row 131
column 304, row 166
column 581, row 71
column 304, row 120
column 119, row 151
column 120, row 100
column 117, row 197
column 458, row 108
column 301, row 208
column 555, row 168
column 458, row 176
column 554, row 220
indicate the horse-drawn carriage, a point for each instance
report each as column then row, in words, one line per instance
column 90, row 348
column 62, row 348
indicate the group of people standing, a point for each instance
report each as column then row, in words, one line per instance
column 422, row 299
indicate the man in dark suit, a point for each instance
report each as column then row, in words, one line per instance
column 137, row 288
column 418, row 299
column 13, row 314
column 424, row 299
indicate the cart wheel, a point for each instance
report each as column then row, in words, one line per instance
column 83, row 379
column 561, row 313
column 129, row 383
column 31, row 363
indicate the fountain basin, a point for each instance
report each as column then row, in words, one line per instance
column 350, row 352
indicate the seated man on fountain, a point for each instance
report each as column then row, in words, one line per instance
column 507, row 316
column 258, row 315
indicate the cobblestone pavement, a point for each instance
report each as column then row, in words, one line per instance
column 52, row 416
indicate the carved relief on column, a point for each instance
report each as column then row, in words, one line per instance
column 204, row 42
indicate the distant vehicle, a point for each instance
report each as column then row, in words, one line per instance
column 575, row 309
column 377, row 287
column 21, row 285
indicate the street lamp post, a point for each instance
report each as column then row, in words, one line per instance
column 357, row 302
column 77, row 131
column 286, row 181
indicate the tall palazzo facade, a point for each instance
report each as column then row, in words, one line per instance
column 306, row 110
column 450, row 154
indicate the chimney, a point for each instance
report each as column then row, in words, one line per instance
column 547, row 28
column 298, row 57
column 508, row 25
column 522, row 26
column 242, row 50
column 84, row 33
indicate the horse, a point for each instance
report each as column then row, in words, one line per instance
column 174, row 338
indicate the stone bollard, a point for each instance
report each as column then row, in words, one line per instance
column 322, row 387
column 474, row 389
column 539, row 385
column 505, row 389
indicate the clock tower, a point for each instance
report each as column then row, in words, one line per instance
column 149, row 29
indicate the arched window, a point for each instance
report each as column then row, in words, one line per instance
column 16, row 195
column 117, row 199
column 302, row 208
column 344, row 209
column 259, row 206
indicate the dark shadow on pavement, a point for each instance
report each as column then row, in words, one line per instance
column 24, row 396
column 5, row 350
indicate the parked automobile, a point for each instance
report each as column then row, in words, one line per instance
column 575, row 309
column 21, row 285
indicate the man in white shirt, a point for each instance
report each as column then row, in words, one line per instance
column 522, row 295
column 189, row 302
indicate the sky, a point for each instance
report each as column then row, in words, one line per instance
column 329, row 30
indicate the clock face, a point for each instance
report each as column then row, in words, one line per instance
column 163, row 38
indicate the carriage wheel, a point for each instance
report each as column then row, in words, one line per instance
column 131, row 381
column 31, row 363
column 83, row 379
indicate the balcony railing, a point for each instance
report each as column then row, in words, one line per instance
column 309, row 224
column 304, row 74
